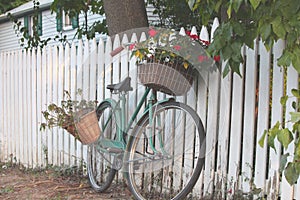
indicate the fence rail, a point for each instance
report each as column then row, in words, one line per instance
column 235, row 110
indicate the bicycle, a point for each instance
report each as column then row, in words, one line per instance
column 161, row 153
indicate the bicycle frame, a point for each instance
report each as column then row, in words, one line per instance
column 120, row 112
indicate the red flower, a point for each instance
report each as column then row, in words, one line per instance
column 195, row 37
column 217, row 58
column 207, row 43
column 177, row 47
column 152, row 32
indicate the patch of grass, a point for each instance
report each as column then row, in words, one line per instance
column 6, row 189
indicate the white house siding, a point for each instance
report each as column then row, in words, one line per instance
column 8, row 38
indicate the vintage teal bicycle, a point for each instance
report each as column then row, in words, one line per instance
column 161, row 153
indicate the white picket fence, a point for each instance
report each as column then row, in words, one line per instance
column 235, row 111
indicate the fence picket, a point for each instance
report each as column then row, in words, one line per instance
column 66, row 87
column 72, row 89
column 50, row 133
column 38, row 99
column 2, row 86
column 100, row 71
column 223, row 135
column 235, row 130
column 249, row 117
column 291, row 83
column 44, row 142
column 79, row 84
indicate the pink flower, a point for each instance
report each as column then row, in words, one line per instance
column 152, row 32
column 177, row 47
column 131, row 46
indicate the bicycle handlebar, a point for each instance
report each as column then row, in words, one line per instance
column 117, row 50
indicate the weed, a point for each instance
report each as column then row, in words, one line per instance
column 6, row 189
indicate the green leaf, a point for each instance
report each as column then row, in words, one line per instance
column 272, row 133
column 261, row 141
column 296, row 93
column 226, row 70
column 255, row 3
column 285, row 137
column 229, row 10
column 191, row 4
column 285, row 59
column 278, row 28
column 295, row 116
column 283, row 161
column 265, row 31
column 291, row 174
column 296, row 58
column 237, row 4
column 283, row 100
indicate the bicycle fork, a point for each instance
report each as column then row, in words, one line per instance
column 155, row 125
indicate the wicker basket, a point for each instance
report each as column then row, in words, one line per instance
column 88, row 128
column 173, row 80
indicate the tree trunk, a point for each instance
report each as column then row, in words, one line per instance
column 122, row 15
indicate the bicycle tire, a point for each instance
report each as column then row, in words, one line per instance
column 99, row 164
column 160, row 180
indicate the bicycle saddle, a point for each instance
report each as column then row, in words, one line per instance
column 123, row 86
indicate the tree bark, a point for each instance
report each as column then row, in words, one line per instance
column 123, row 15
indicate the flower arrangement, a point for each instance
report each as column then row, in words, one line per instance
column 66, row 114
column 167, row 46
column 167, row 60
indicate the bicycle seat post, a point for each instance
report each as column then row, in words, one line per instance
column 122, row 97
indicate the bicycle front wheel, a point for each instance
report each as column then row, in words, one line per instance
column 99, row 162
column 165, row 152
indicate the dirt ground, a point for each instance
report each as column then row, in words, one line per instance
column 53, row 184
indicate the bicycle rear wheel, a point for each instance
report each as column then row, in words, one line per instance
column 179, row 138
column 100, row 163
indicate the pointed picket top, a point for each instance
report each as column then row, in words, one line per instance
column 215, row 25
column 116, row 42
column 143, row 37
column 204, row 34
column 182, row 31
column 194, row 31
column 125, row 42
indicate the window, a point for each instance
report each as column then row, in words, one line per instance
column 65, row 22
column 29, row 22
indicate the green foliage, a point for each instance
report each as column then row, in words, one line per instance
column 30, row 41
column 75, row 7
column 244, row 20
column 67, row 113
column 8, row 5
column 174, row 14
column 286, row 137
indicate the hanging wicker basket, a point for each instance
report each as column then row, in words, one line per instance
column 85, row 128
column 170, row 79
column 88, row 128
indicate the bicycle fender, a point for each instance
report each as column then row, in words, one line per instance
column 116, row 109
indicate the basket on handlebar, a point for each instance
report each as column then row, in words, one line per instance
column 170, row 79
column 87, row 127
